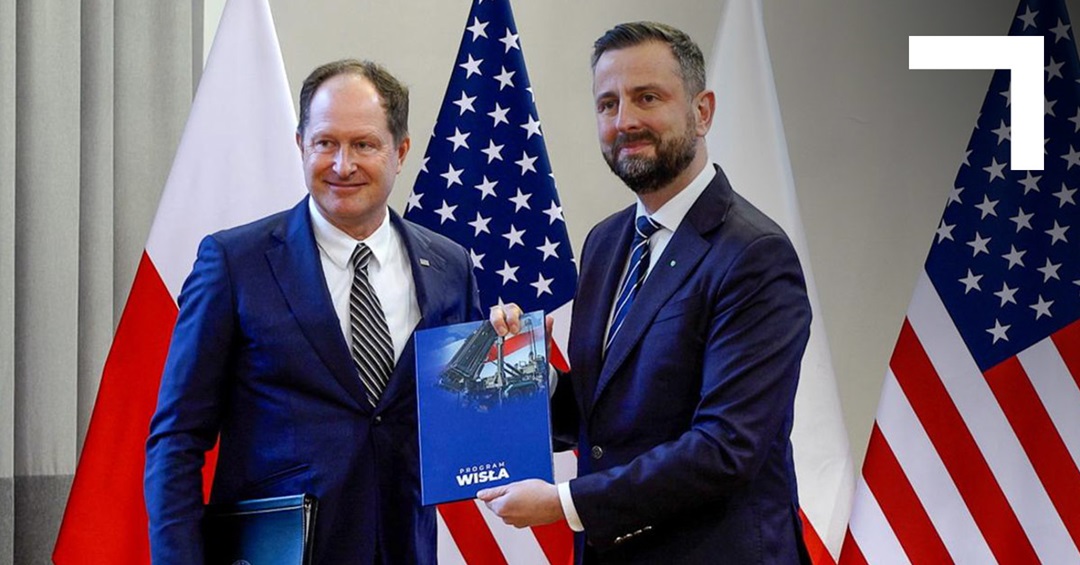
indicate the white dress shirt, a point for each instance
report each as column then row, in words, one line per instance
column 389, row 272
column 669, row 216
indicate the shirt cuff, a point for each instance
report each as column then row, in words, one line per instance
column 567, row 501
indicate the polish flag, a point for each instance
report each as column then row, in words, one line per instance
column 236, row 162
column 747, row 139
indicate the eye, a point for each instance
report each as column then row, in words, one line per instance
column 605, row 106
column 649, row 98
column 322, row 144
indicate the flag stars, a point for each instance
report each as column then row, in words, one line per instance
column 486, row 188
column 446, row 212
column 967, row 155
column 971, row 282
column 1061, row 31
column 979, row 244
column 414, row 202
column 542, row 285
column 1022, row 220
column 1053, row 69
column 531, row 127
column 514, row 236
column 1030, row 183
column 1014, row 257
column 1076, row 121
column 1050, row 271
column 459, row 139
column 472, row 66
column 521, row 201
column 1002, row 132
column 510, row 40
column 452, row 175
column 499, row 115
column 1048, row 109
column 1072, row 158
column 423, row 164
column 477, row 259
column 507, row 273
column 526, row 163
column 480, row 224
column 954, row 195
column 1042, row 308
column 1065, row 196
column 995, row 169
column 987, row 207
column 1006, row 294
column 465, row 103
column 554, row 212
column 1057, row 233
column 548, row 249
column 999, row 332
column 944, row 231
column 1008, row 97
column 478, row 28
column 493, row 151
column 505, row 78
column 1028, row 19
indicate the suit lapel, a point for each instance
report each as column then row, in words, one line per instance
column 298, row 271
column 678, row 262
column 428, row 273
column 598, row 283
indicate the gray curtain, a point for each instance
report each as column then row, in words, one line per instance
column 93, row 98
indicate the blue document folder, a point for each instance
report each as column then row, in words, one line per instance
column 271, row 531
column 483, row 409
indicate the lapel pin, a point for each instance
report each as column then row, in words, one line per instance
column 425, row 262
column 672, row 262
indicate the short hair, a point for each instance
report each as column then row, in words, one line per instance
column 393, row 93
column 686, row 52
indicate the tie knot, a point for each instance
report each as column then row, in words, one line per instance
column 360, row 257
column 646, row 227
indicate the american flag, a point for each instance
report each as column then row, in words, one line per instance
column 486, row 183
column 973, row 456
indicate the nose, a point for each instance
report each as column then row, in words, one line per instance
column 628, row 118
column 344, row 165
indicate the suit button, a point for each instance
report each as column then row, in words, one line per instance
column 378, row 420
column 597, row 452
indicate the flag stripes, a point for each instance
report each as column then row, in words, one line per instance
column 1005, row 441
column 901, row 506
column 1041, row 442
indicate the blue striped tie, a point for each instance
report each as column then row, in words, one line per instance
column 635, row 274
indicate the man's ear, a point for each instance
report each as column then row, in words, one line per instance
column 402, row 151
column 300, row 143
column 704, row 110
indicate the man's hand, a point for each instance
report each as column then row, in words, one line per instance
column 531, row 502
column 506, row 320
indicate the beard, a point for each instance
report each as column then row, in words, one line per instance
column 644, row 175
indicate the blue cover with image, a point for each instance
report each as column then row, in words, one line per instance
column 482, row 422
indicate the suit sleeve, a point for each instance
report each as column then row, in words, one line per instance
column 757, row 329
column 188, row 414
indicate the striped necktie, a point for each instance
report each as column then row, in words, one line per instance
column 635, row 274
column 371, row 347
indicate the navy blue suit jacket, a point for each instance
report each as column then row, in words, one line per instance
column 683, row 426
column 258, row 357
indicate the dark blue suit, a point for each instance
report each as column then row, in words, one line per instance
column 258, row 356
column 683, row 426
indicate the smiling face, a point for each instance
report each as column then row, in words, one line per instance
column 650, row 129
column 349, row 154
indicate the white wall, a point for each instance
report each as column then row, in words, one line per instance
column 874, row 147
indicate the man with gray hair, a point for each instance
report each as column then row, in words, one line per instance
column 689, row 325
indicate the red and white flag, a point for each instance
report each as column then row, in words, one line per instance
column 974, row 454
column 747, row 140
column 236, row 162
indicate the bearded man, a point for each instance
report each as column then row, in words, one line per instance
column 689, row 325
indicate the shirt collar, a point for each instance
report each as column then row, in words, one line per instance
column 671, row 214
column 338, row 245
